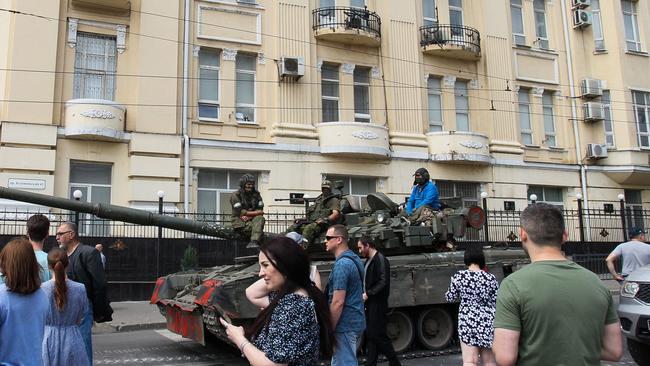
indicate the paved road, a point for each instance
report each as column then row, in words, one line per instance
column 161, row 347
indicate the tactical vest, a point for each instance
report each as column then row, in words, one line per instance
column 249, row 202
column 319, row 209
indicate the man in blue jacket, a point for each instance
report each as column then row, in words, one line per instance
column 423, row 195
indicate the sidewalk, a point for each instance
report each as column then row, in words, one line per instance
column 140, row 315
column 132, row 315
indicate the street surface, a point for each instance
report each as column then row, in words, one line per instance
column 161, row 347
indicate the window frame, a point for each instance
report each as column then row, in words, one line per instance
column 646, row 111
column 82, row 72
column 633, row 16
column 544, row 194
column 208, row 102
column 460, row 10
column 88, row 224
column 596, row 14
column 361, row 117
column 246, row 105
column 331, row 98
column 607, row 107
column 428, row 21
column 527, row 104
column 437, row 92
column 349, row 185
column 522, row 36
column 456, row 109
column 232, row 185
column 549, row 134
column 542, row 42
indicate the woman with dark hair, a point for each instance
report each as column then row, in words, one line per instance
column 477, row 291
column 294, row 327
column 63, row 344
column 23, row 305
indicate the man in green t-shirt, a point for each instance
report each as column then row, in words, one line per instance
column 553, row 311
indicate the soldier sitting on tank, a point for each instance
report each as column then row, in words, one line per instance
column 248, row 211
column 424, row 199
column 324, row 212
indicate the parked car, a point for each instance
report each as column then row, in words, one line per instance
column 634, row 311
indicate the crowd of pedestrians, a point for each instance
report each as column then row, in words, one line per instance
column 48, row 302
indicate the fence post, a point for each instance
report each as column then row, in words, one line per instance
column 77, row 194
column 484, row 196
column 621, row 199
column 161, row 195
column 580, row 220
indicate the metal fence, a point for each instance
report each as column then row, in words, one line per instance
column 348, row 18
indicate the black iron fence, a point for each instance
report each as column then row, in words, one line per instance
column 443, row 34
column 348, row 18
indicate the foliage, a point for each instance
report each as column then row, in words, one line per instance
column 190, row 258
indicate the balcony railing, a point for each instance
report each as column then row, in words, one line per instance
column 345, row 20
column 449, row 36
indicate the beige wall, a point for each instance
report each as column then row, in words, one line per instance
column 284, row 144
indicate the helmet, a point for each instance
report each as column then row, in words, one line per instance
column 246, row 178
column 425, row 176
column 326, row 184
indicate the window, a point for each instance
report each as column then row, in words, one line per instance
column 462, row 106
column 525, row 127
column 208, row 84
column 357, row 3
column 361, row 94
column 597, row 22
column 467, row 192
column 549, row 123
column 213, row 192
column 633, row 208
column 517, row 15
column 429, row 12
column 456, row 17
column 94, row 182
column 245, row 89
column 630, row 20
column 550, row 195
column 94, row 67
column 609, row 126
column 356, row 187
column 330, row 92
column 435, row 104
column 540, row 23
column 641, row 109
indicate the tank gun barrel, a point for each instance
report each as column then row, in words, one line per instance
column 118, row 213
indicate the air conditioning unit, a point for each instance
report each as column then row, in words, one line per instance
column 581, row 18
column 580, row 4
column 593, row 111
column 292, row 67
column 596, row 151
column 592, row 88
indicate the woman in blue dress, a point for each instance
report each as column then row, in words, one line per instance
column 63, row 344
column 477, row 291
column 295, row 327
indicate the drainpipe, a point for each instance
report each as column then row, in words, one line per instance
column 574, row 115
column 184, row 109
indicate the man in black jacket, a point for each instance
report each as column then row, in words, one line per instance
column 85, row 266
column 375, row 295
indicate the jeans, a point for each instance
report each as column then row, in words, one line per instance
column 345, row 352
column 86, row 329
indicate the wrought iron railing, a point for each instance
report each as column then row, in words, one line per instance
column 348, row 18
column 449, row 34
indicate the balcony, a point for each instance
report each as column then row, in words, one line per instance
column 94, row 119
column 628, row 167
column 456, row 147
column 347, row 25
column 356, row 139
column 453, row 41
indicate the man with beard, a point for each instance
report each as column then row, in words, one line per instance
column 248, row 210
column 423, row 199
column 324, row 213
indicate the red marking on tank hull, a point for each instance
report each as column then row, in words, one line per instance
column 154, row 295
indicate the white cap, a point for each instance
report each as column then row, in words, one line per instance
column 296, row 237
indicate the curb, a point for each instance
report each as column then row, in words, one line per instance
column 110, row 328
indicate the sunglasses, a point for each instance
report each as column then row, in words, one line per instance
column 63, row 233
column 327, row 237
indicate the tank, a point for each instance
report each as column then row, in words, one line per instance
column 422, row 261
column 421, row 258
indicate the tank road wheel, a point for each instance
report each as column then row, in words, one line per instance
column 435, row 328
column 400, row 330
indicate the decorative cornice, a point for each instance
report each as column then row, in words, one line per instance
column 319, row 65
column 348, row 68
column 261, row 60
column 73, row 24
column 121, row 38
column 196, row 50
column 98, row 113
column 375, row 73
column 449, row 81
column 365, row 135
column 538, row 92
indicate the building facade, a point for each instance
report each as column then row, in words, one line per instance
column 121, row 99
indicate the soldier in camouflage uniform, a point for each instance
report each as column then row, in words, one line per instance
column 248, row 210
column 322, row 214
